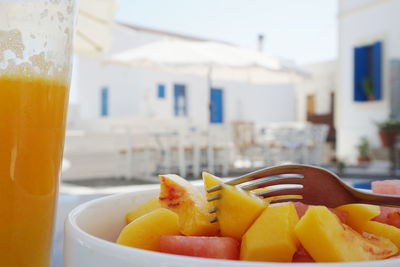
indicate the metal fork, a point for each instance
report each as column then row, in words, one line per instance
column 309, row 184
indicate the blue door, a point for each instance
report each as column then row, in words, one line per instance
column 216, row 105
column 180, row 100
column 104, row 102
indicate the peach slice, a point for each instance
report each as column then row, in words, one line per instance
column 145, row 231
column 148, row 206
column 359, row 214
column 327, row 240
column 182, row 197
column 385, row 230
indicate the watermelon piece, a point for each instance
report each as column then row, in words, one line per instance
column 394, row 218
column 301, row 209
column 301, row 255
column 201, row 246
column 386, row 187
column 342, row 215
column 388, row 215
column 382, row 217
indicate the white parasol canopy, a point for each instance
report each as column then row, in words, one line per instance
column 93, row 29
column 218, row 61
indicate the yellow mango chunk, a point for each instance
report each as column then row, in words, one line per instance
column 148, row 206
column 145, row 231
column 182, row 197
column 359, row 214
column 237, row 210
column 209, row 181
column 382, row 229
column 327, row 240
column 271, row 237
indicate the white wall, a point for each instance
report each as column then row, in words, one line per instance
column 126, row 87
column 133, row 92
column 321, row 83
column 361, row 23
column 260, row 103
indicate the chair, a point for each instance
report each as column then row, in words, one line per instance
column 315, row 143
column 219, row 149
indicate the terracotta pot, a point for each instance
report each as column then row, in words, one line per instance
column 363, row 159
column 388, row 137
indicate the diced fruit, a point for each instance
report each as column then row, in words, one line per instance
column 342, row 215
column 353, row 232
column 359, row 214
column 389, row 216
column 301, row 255
column 148, row 206
column 145, row 231
column 209, row 181
column 201, row 246
column 182, row 197
column 381, row 229
column 384, row 245
column 327, row 240
column 394, row 218
column 383, row 215
column 302, row 208
column 237, row 210
column 271, row 237
column 387, row 187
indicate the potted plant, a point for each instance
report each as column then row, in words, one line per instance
column 363, row 150
column 388, row 131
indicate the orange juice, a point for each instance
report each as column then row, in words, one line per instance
column 32, row 125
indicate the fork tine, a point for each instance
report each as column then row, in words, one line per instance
column 286, row 199
column 218, row 196
column 214, row 188
column 213, row 210
column 281, row 192
column 213, row 220
column 262, row 173
column 275, row 180
column 233, row 181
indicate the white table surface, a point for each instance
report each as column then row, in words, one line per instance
column 66, row 203
column 72, row 196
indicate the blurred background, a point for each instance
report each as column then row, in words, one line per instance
column 230, row 86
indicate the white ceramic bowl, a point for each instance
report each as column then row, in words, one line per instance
column 91, row 228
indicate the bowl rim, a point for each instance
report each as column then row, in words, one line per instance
column 71, row 223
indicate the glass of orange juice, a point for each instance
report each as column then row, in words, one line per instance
column 35, row 67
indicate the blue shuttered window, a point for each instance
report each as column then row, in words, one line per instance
column 368, row 72
column 161, row 91
column 104, row 102
column 377, row 69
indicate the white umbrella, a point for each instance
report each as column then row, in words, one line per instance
column 216, row 60
column 93, row 29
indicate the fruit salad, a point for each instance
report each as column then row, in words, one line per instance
column 250, row 228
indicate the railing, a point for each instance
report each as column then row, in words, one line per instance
column 134, row 151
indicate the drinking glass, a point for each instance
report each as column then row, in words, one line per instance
column 35, row 68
